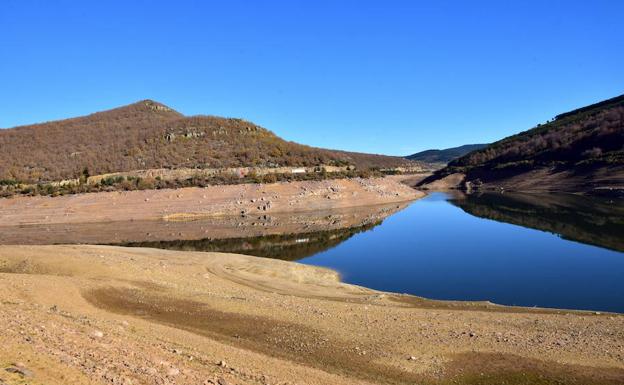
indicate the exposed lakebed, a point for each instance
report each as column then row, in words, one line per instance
column 561, row 251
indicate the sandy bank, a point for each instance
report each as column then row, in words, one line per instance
column 93, row 314
column 196, row 203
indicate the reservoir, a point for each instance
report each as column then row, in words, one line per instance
column 545, row 250
column 548, row 250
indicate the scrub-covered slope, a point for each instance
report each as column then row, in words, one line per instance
column 150, row 135
column 578, row 151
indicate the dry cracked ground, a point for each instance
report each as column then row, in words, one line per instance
column 113, row 315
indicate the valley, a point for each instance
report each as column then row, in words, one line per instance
column 311, row 193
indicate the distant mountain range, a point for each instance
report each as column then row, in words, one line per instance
column 578, row 151
column 150, row 135
column 446, row 155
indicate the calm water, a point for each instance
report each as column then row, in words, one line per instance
column 560, row 251
column 435, row 249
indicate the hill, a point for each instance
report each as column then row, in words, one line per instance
column 150, row 135
column 578, row 151
column 446, row 155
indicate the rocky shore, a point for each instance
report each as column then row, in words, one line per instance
column 213, row 201
column 114, row 315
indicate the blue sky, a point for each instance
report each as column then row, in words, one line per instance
column 391, row 77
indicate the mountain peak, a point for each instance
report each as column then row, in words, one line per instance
column 140, row 108
column 155, row 106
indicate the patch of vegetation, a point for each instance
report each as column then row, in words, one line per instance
column 131, row 183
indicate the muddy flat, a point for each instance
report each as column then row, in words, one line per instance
column 102, row 314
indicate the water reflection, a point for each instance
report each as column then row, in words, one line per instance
column 459, row 247
column 447, row 247
column 589, row 220
column 289, row 247
column 285, row 236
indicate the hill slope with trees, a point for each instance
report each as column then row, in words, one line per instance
column 577, row 151
column 150, row 135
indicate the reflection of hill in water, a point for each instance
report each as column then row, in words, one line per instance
column 229, row 227
column 590, row 220
column 279, row 246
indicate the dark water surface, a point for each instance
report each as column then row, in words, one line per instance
column 560, row 251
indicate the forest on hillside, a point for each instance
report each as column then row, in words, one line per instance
column 590, row 135
column 149, row 135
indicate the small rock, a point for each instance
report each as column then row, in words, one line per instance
column 222, row 381
column 412, row 358
column 222, row 364
column 173, row 372
column 18, row 369
column 472, row 334
column 97, row 334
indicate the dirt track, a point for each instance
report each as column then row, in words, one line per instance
column 96, row 314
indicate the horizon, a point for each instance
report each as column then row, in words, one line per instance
column 387, row 80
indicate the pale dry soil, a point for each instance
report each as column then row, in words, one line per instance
column 208, row 202
column 114, row 315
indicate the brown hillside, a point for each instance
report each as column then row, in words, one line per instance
column 578, row 151
column 147, row 135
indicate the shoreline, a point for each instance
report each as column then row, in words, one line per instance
column 215, row 228
column 212, row 201
column 248, row 320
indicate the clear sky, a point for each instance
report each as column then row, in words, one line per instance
column 391, row 77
